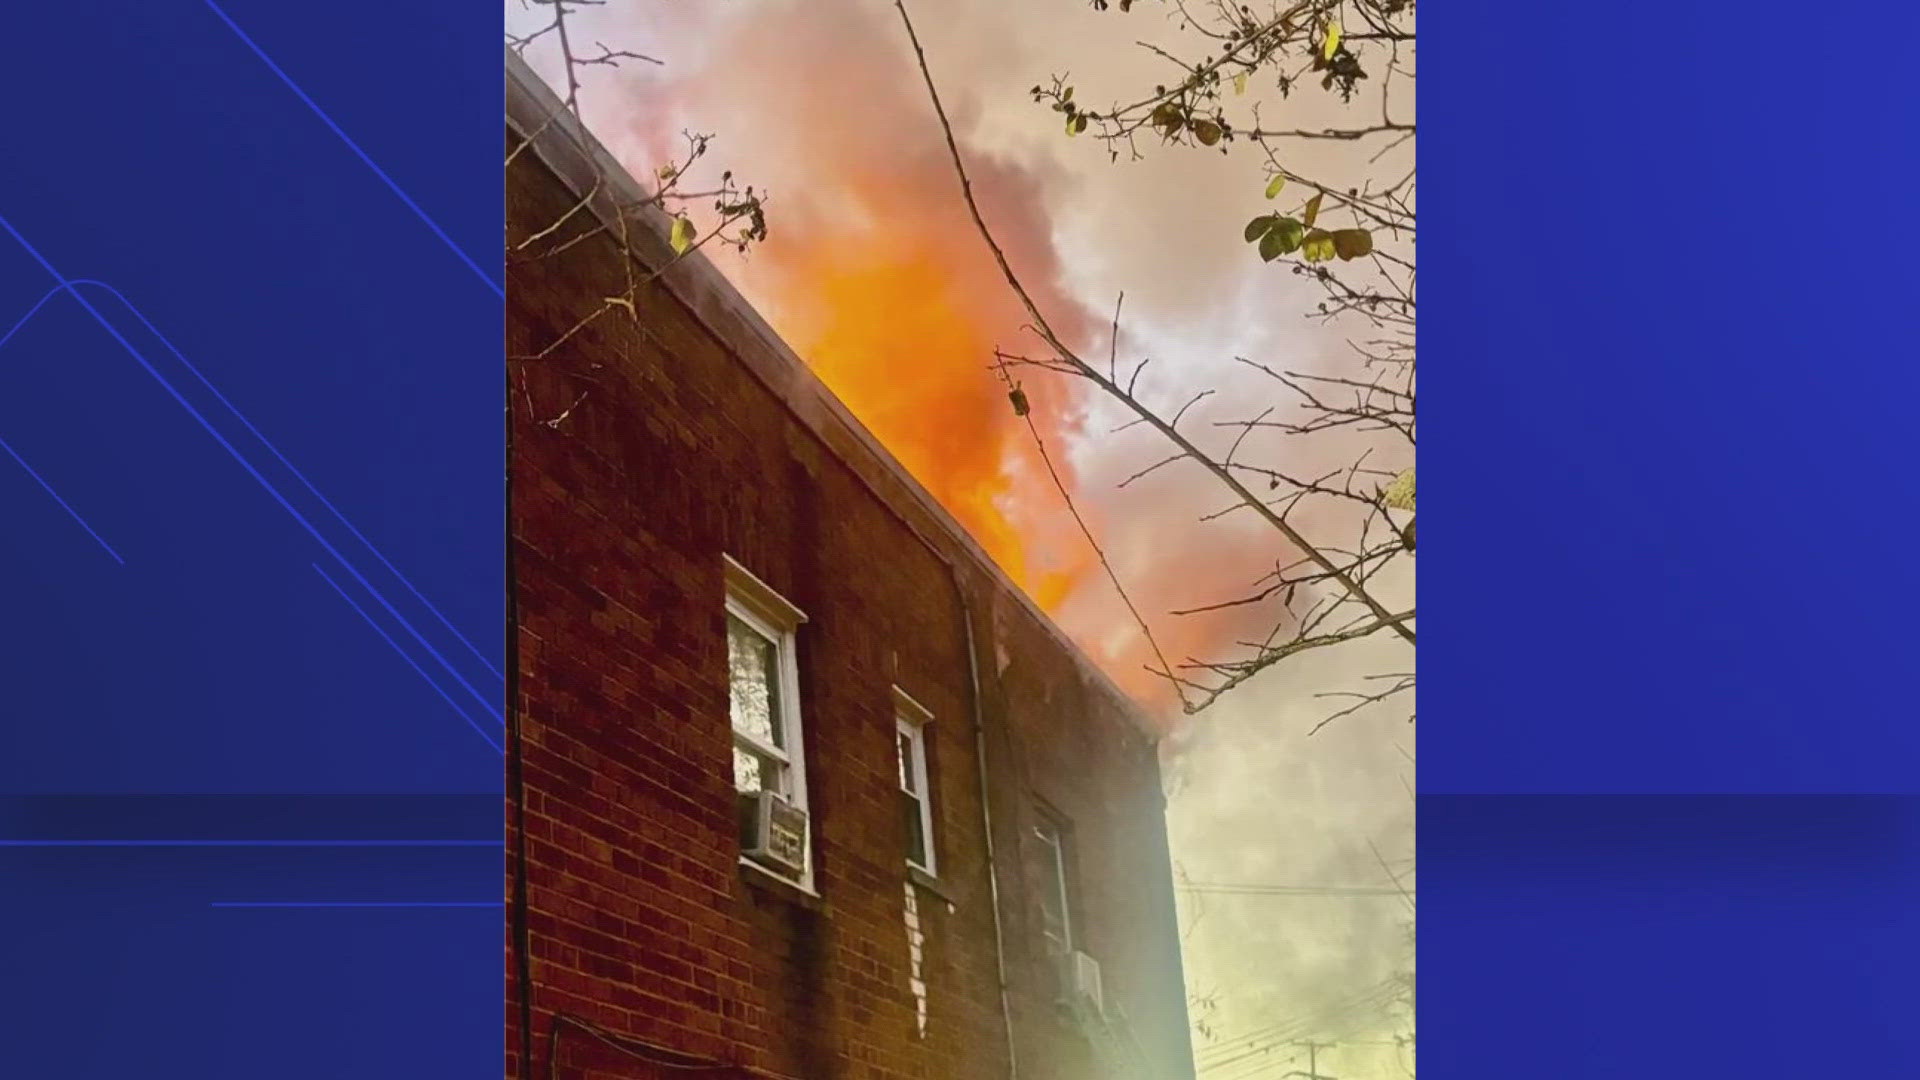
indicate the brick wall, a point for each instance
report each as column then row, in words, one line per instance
column 694, row 435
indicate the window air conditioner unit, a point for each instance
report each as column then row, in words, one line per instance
column 1080, row 980
column 779, row 834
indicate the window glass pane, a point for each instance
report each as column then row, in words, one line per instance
column 753, row 774
column 1053, row 887
column 754, row 695
column 907, row 777
column 750, row 772
column 1050, row 915
column 916, row 830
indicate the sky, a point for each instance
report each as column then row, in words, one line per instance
column 874, row 274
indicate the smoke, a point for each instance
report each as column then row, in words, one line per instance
column 872, row 270
column 1255, row 803
column 874, row 273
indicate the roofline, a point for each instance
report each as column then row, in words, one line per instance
column 579, row 159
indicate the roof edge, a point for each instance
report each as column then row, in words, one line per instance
column 581, row 162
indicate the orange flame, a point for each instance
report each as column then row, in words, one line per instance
column 901, row 321
column 873, row 270
column 875, row 273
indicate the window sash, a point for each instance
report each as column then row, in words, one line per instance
column 909, row 779
column 912, row 741
column 1056, row 918
column 914, row 778
column 785, row 718
column 781, row 771
column 779, row 709
column 752, row 745
column 919, row 849
column 783, row 767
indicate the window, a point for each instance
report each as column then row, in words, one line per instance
column 916, row 797
column 764, row 701
column 1056, row 922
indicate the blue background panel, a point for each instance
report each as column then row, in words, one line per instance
column 1669, row 438
column 251, row 478
column 270, row 314
column 1688, row 936
column 1670, row 399
column 134, row 970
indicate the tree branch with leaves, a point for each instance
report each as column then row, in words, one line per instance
column 735, row 214
column 1337, row 533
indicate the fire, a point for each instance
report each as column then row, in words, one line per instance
column 901, row 325
column 875, row 273
column 873, row 270
column 895, row 304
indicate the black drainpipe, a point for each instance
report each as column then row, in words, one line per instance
column 515, row 779
column 986, row 811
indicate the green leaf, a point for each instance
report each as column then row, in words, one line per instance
column 1313, row 208
column 1274, row 185
column 1333, row 41
column 1282, row 238
column 1270, row 246
column 1260, row 226
column 1168, row 118
column 1067, row 95
column 1317, row 246
column 1206, row 131
column 1240, row 83
column 1352, row 243
column 682, row 236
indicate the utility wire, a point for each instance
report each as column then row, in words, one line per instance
column 1225, row 889
column 1262, row 1044
column 1263, row 1041
column 1334, row 1031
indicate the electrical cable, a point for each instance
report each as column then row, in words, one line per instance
column 1223, row 889
column 1320, row 1023
column 1275, row 1036
column 1228, row 1047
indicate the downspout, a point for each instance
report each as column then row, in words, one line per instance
column 516, row 783
column 986, row 819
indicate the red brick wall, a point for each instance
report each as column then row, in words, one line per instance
column 640, row 919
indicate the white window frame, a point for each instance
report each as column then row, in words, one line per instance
column 911, row 720
column 1056, row 844
column 773, row 617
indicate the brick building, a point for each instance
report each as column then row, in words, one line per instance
column 724, row 586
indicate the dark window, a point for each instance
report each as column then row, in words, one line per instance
column 1056, row 905
column 916, row 804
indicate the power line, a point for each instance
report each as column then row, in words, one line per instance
column 1266, row 1066
column 1256, row 1057
column 1263, row 1041
column 1231, row 889
column 1291, row 1028
column 1272, row 1068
